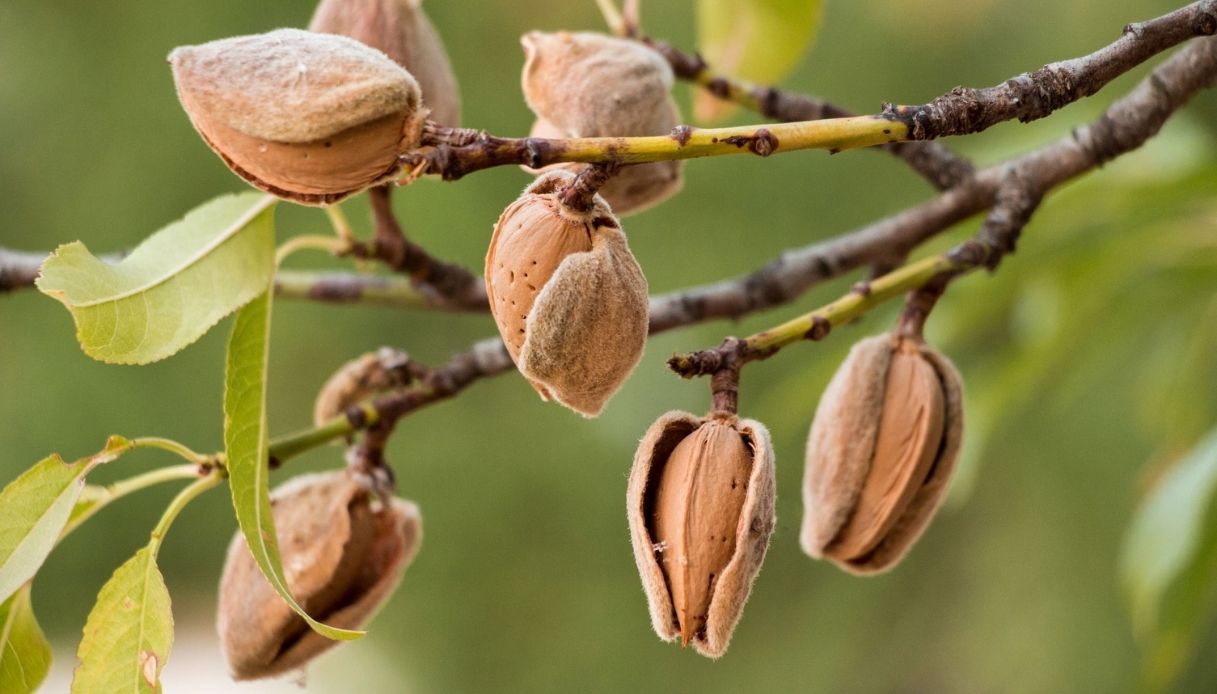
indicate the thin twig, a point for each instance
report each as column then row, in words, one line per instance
column 447, row 283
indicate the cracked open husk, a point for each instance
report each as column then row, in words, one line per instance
column 583, row 84
column 308, row 117
column 567, row 296
column 343, row 555
column 881, row 453
column 701, row 511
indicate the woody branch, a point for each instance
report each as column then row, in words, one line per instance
column 453, row 153
column 1011, row 191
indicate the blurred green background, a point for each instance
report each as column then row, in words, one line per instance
column 1089, row 360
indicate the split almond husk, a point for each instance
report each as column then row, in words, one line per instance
column 567, row 295
column 402, row 30
column 343, row 554
column 881, row 453
column 308, row 117
column 591, row 85
column 701, row 512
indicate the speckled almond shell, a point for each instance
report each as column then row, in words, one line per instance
column 402, row 30
column 841, row 443
column 752, row 533
column 567, row 295
column 592, row 85
column 259, row 634
column 309, row 117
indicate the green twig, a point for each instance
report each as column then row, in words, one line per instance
column 112, row 492
column 184, row 497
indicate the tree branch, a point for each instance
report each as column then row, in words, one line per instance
column 453, row 153
column 937, row 164
column 445, row 284
column 1126, row 125
column 1033, row 95
column 1013, row 190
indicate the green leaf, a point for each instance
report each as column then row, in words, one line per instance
column 25, row 655
column 37, row 506
column 172, row 288
column 1169, row 563
column 754, row 40
column 129, row 631
column 245, row 445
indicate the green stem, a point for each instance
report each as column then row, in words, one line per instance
column 831, row 133
column 291, row 445
column 118, row 490
column 817, row 324
column 171, row 446
column 340, row 223
column 184, row 497
column 612, row 16
column 855, row 304
column 328, row 244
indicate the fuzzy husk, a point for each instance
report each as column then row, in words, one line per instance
column 342, row 559
column 308, row 117
column 841, row 444
column 925, row 504
column 290, row 85
column 753, row 531
column 591, row 85
column 841, row 441
column 402, row 30
column 568, row 296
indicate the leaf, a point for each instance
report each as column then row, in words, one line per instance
column 129, row 631
column 754, row 40
column 25, row 655
column 1169, row 562
column 245, row 445
column 37, row 506
column 172, row 288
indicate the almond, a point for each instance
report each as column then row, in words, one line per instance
column 401, row 29
column 308, row 117
column 701, row 512
column 880, row 454
column 590, row 85
column 342, row 556
column 567, row 295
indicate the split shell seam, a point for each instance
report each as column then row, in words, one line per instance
column 752, row 535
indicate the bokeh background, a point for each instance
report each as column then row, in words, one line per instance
column 1090, row 362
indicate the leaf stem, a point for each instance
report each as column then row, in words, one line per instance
column 171, row 446
column 612, row 16
column 342, row 225
column 329, row 244
column 184, row 497
column 113, row 492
